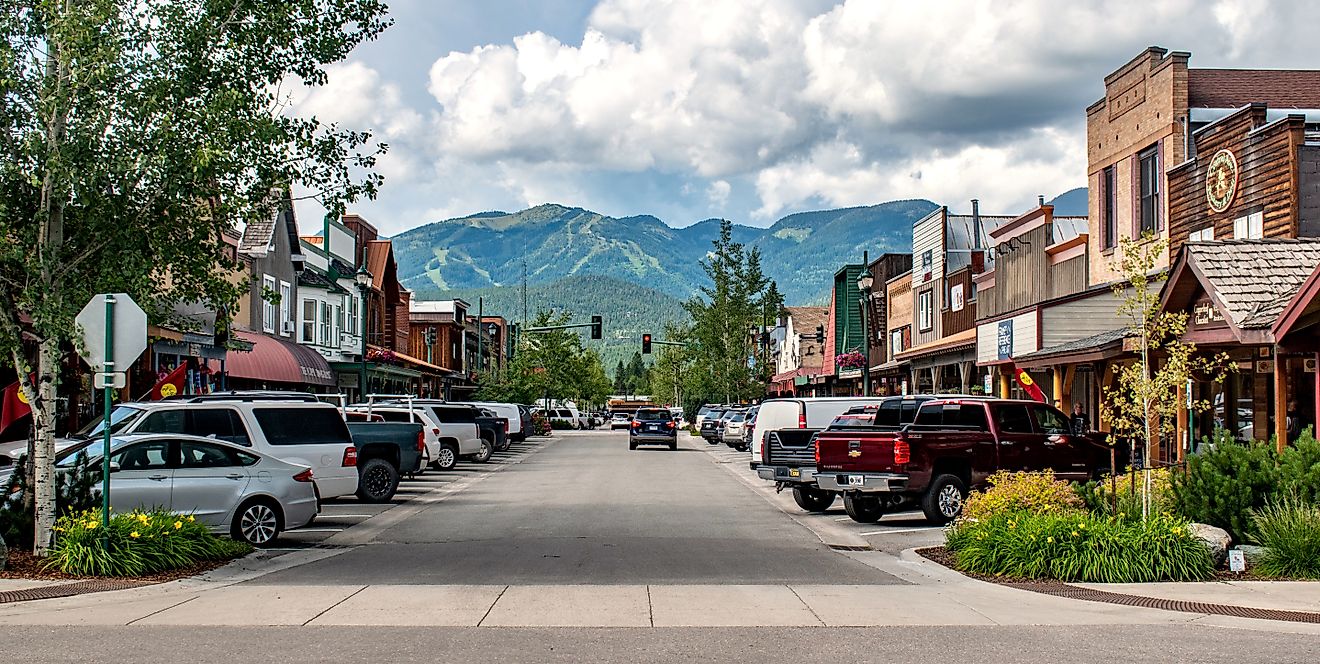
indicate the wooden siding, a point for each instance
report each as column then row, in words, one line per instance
column 928, row 235
column 1068, row 277
column 1078, row 319
column 1025, row 331
column 1267, row 177
column 882, row 270
column 920, row 336
column 847, row 310
column 901, row 303
column 952, row 321
column 1021, row 276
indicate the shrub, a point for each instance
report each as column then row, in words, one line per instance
column 1299, row 469
column 136, row 543
column 1079, row 547
column 1223, row 484
column 1289, row 529
column 1022, row 492
column 1122, row 497
column 76, row 489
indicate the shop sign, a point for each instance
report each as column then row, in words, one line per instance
column 989, row 384
column 927, row 264
column 1221, row 180
column 1206, row 313
column 1004, row 339
column 1265, row 366
column 956, row 299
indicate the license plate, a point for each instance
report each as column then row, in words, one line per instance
column 794, row 472
column 856, row 480
column 653, row 428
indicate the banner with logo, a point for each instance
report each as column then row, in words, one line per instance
column 1033, row 390
column 13, row 406
column 172, row 384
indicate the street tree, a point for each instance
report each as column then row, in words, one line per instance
column 554, row 364
column 137, row 133
column 723, row 315
column 667, row 376
column 1147, row 394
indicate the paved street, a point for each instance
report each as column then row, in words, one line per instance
column 574, row 548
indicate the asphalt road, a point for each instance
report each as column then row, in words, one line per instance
column 587, row 510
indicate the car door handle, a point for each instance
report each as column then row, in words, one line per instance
column 234, row 476
column 158, row 477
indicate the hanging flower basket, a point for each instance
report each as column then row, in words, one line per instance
column 853, row 360
column 382, row 355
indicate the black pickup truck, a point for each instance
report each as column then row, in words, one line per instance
column 494, row 429
column 385, row 451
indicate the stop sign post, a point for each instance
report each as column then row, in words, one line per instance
column 114, row 334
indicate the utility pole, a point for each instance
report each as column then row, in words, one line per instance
column 481, row 333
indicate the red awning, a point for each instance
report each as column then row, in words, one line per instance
column 277, row 361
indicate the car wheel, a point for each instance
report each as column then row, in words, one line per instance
column 447, row 457
column 944, row 499
column 812, row 499
column 257, row 522
column 632, row 444
column 863, row 508
column 483, row 453
column 673, row 445
column 712, row 441
column 377, row 481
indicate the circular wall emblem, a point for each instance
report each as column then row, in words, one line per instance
column 1221, row 180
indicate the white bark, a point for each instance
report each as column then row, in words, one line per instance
column 43, row 422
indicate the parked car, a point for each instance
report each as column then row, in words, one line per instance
column 749, row 423
column 620, row 421
column 230, row 488
column 951, row 448
column 705, row 411
column 493, row 429
column 787, row 456
column 653, row 426
column 712, row 427
column 518, row 426
column 732, row 433
column 452, row 430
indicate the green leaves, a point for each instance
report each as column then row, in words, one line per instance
column 1289, row 529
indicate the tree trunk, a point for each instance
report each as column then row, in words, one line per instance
column 43, row 457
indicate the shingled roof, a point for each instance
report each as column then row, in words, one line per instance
column 1255, row 279
column 1233, row 88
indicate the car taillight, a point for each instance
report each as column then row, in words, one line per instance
column 765, row 448
column 802, row 420
column 815, row 445
column 671, row 424
column 304, row 476
column 902, row 453
column 636, row 424
column 435, row 431
column 350, row 457
column 421, row 442
column 506, row 426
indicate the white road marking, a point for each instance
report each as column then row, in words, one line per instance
column 317, row 530
column 348, row 516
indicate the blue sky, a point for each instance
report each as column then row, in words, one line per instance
column 751, row 110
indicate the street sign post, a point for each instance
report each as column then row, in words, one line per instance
column 114, row 334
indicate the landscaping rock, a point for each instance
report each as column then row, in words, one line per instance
column 1217, row 539
column 1251, row 552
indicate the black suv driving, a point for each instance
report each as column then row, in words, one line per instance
column 653, row 426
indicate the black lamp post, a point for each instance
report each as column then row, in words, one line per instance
column 864, row 284
column 363, row 279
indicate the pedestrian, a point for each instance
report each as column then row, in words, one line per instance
column 1293, row 423
column 1081, row 424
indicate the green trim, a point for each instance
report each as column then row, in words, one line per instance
column 380, row 369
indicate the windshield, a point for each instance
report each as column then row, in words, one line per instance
column 736, row 417
column 705, row 410
column 654, row 416
column 121, row 418
column 68, row 457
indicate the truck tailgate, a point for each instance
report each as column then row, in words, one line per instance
column 856, row 451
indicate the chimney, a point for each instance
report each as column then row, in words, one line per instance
column 976, row 224
column 1040, row 200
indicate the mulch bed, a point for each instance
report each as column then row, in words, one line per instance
column 24, row 565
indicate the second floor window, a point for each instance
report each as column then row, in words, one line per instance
column 1108, row 213
column 268, row 308
column 309, row 321
column 1149, row 187
column 286, row 307
column 1250, row 227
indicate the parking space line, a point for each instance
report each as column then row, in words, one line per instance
column 348, row 516
column 317, row 530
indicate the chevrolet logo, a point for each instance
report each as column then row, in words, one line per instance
column 853, row 454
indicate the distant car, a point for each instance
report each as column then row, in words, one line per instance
column 653, row 426
column 620, row 421
column 732, row 432
column 229, row 488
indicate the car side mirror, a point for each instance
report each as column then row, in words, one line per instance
column 114, row 467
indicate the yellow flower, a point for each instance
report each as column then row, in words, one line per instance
column 1074, row 533
column 1049, row 539
column 91, row 525
column 191, row 518
column 1082, row 525
column 178, row 525
column 134, row 534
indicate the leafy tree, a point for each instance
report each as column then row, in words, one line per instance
column 1144, row 403
column 137, row 133
column 670, row 372
column 552, row 364
column 723, row 315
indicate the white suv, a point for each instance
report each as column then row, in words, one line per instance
column 306, row 433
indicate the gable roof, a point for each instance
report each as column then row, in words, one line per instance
column 257, row 236
column 1251, row 281
column 380, row 253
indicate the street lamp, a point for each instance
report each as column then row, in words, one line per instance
column 363, row 279
column 864, row 284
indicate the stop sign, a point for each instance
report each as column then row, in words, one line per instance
column 128, row 323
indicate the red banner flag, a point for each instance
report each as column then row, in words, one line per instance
column 1033, row 390
column 13, row 406
column 171, row 384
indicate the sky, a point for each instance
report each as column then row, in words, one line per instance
column 752, row 110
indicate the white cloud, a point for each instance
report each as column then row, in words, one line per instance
column 815, row 103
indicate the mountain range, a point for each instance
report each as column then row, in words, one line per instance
column 582, row 261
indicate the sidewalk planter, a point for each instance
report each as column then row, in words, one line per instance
column 1083, row 548
column 135, row 544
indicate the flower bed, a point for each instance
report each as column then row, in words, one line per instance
column 134, row 544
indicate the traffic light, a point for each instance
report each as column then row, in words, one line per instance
column 820, row 334
column 646, row 344
column 596, row 325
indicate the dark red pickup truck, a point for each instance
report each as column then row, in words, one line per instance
column 951, row 447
